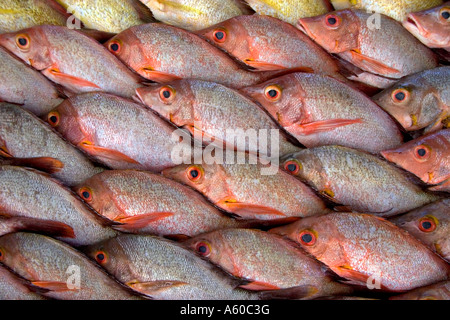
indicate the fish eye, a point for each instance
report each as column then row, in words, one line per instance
column 400, row 95
column 85, row 194
column 332, row 21
column 292, row 166
column 194, row 173
column 167, row 94
column 272, row 93
column 100, row 257
column 422, row 152
column 445, row 13
column 219, row 35
column 53, row 118
column 22, row 41
column 114, row 46
column 2, row 255
column 427, row 224
column 203, row 248
column 307, row 238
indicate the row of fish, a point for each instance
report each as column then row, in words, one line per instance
column 93, row 205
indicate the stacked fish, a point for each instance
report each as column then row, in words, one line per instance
column 218, row 149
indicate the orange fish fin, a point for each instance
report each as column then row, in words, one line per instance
column 106, row 153
column 159, row 76
column 263, row 66
column 46, row 164
column 250, row 210
column 259, row 286
column 153, row 287
column 52, row 285
column 60, row 77
column 348, row 273
column 341, row 208
column 206, row 137
column 299, row 292
column 321, row 126
column 4, row 152
column 372, row 64
column 142, row 220
column 48, row 227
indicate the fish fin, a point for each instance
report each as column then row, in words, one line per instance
column 48, row 227
column 339, row 208
column 4, row 152
column 153, row 287
column 300, row 292
column 54, row 4
column 159, row 76
column 106, row 153
column 46, row 164
column 444, row 186
column 263, row 66
column 206, row 137
column 321, row 126
column 348, row 273
column 52, row 285
column 372, row 64
column 249, row 210
column 141, row 221
column 144, row 12
column 258, row 286
column 58, row 76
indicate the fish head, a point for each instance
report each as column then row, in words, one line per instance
column 30, row 45
column 108, row 254
column 128, row 48
column 336, row 31
column 430, row 26
column 281, row 97
column 65, row 119
column 171, row 101
column 229, row 35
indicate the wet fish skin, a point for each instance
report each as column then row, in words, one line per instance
column 265, row 43
column 194, row 15
column 313, row 108
column 95, row 122
column 289, row 10
column 128, row 196
column 267, row 261
column 49, row 264
column 426, row 97
column 70, row 58
column 430, row 26
column 164, row 270
column 23, row 135
column 30, row 193
column 359, row 180
column 243, row 190
column 397, row 9
column 14, row 288
column 363, row 248
column 436, row 218
column 428, row 157
column 437, row 291
column 22, row 85
column 389, row 51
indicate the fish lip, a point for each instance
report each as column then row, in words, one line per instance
column 411, row 22
column 302, row 27
column 137, row 97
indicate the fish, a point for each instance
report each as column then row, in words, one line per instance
column 319, row 110
column 358, row 180
column 430, row 224
column 267, row 43
column 368, row 251
column 290, row 10
column 164, row 270
column 24, row 136
column 148, row 50
column 214, row 112
column 72, row 59
column 13, row 287
column 30, row 193
column 17, row 15
column 437, row 291
column 427, row 157
column 430, row 26
column 194, row 15
column 108, row 15
column 243, row 190
column 420, row 101
column 22, row 85
column 95, row 122
column 397, row 9
column 59, row 270
column 146, row 203
column 267, row 261
column 383, row 47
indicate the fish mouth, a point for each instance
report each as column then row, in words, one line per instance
column 412, row 24
column 303, row 27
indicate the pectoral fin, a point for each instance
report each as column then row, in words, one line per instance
column 141, row 221
column 250, row 211
column 153, row 287
column 159, row 76
column 259, row 286
column 263, row 66
column 372, row 64
column 106, row 153
column 321, row 126
column 52, row 285
column 46, row 164
column 60, row 77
